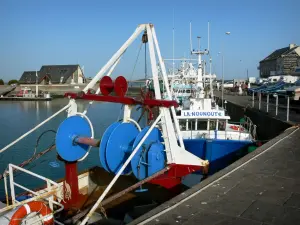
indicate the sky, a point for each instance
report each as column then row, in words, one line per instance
column 35, row 33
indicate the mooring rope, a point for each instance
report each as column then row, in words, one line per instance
column 35, row 155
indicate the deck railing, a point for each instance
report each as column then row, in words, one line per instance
column 246, row 127
column 52, row 189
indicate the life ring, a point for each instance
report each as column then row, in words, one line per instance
column 237, row 128
column 34, row 206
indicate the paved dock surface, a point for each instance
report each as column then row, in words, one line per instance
column 263, row 188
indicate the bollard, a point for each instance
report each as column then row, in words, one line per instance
column 276, row 105
column 267, row 103
column 253, row 99
column 288, row 109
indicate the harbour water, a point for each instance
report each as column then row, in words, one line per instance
column 16, row 118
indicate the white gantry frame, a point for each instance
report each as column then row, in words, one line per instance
column 176, row 154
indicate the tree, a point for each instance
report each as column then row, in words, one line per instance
column 1, row 82
column 13, row 82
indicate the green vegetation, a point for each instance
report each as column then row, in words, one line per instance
column 1, row 82
column 13, row 82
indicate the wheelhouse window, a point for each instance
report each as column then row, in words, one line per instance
column 212, row 124
column 192, row 125
column 201, row 125
column 182, row 125
column 222, row 125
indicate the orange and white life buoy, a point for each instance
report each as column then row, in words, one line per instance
column 234, row 127
column 34, row 206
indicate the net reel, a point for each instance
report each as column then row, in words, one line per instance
column 151, row 157
column 74, row 138
column 118, row 142
column 75, row 135
column 116, row 146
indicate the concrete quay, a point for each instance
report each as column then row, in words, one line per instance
column 262, row 188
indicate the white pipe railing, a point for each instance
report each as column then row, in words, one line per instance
column 11, row 169
column 51, row 190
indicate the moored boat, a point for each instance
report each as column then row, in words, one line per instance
column 152, row 157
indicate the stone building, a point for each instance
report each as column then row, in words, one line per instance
column 282, row 61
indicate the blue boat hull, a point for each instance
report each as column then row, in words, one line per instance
column 219, row 153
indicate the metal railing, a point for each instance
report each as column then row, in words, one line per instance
column 52, row 189
column 266, row 105
column 248, row 127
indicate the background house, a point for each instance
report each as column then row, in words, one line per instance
column 282, row 61
column 54, row 74
column 29, row 77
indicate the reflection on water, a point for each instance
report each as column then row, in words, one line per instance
column 18, row 117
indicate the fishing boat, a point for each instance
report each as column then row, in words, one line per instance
column 153, row 155
column 26, row 94
column 135, row 160
column 205, row 127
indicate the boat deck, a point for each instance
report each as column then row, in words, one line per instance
column 260, row 188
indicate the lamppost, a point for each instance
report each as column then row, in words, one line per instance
column 227, row 33
column 36, row 81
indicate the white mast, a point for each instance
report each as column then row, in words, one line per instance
column 200, row 77
column 191, row 47
column 36, row 89
column 173, row 44
column 208, row 39
column 210, row 72
column 198, row 101
column 200, row 68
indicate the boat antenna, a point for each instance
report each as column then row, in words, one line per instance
column 191, row 44
column 208, row 38
column 173, row 44
column 210, row 65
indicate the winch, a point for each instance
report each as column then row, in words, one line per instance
column 75, row 139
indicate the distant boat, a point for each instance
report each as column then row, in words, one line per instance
column 26, row 94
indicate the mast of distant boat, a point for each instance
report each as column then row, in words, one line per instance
column 210, row 72
column 36, row 88
column 173, row 45
column 200, row 71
